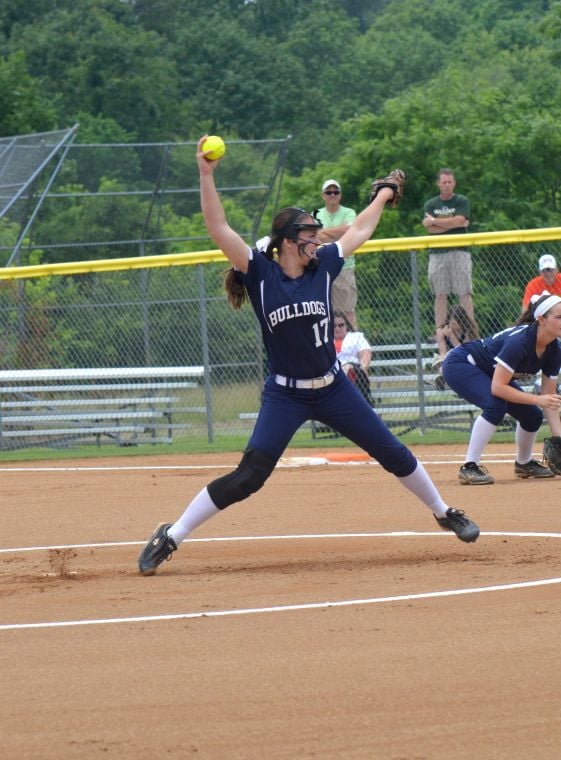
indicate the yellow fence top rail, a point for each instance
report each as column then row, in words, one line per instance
column 206, row 257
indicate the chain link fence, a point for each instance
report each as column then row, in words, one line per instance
column 138, row 322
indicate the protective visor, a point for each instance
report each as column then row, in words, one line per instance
column 292, row 226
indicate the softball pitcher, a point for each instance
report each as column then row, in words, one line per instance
column 289, row 286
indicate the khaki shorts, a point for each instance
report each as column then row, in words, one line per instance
column 450, row 272
column 344, row 293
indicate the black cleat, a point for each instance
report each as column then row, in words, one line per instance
column 532, row 469
column 472, row 474
column 457, row 521
column 160, row 547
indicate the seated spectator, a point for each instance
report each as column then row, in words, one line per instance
column 458, row 329
column 353, row 351
column 549, row 279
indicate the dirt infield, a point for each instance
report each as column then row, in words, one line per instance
column 325, row 617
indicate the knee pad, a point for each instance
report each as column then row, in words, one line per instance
column 248, row 477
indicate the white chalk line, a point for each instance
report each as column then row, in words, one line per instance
column 98, row 468
column 287, row 462
column 288, row 537
column 281, row 608
column 290, row 607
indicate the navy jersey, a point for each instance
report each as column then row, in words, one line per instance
column 515, row 349
column 295, row 314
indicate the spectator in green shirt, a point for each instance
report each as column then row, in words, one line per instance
column 336, row 219
column 449, row 268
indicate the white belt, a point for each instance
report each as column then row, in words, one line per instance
column 312, row 384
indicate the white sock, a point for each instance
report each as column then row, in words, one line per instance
column 424, row 489
column 524, row 444
column 480, row 437
column 201, row 509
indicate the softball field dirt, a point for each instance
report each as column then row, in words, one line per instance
column 325, row 617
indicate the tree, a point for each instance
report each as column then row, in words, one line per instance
column 93, row 58
column 23, row 107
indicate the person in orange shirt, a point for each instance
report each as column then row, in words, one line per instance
column 549, row 280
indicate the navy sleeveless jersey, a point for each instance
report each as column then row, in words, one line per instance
column 295, row 314
column 515, row 349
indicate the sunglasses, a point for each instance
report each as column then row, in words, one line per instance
column 332, row 192
column 340, row 324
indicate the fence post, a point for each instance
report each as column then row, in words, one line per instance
column 144, row 275
column 418, row 340
column 206, row 352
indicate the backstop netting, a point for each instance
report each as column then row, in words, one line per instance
column 69, row 201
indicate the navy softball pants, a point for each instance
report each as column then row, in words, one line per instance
column 474, row 385
column 339, row 405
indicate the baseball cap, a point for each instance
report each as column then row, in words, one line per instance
column 328, row 183
column 547, row 261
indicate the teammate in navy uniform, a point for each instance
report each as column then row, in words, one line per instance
column 484, row 372
column 289, row 286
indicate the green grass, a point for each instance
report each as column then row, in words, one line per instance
column 184, row 445
column 228, row 443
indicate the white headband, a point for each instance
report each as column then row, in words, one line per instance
column 546, row 305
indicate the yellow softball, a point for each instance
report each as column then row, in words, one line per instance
column 216, row 146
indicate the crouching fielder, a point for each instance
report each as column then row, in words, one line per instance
column 289, row 287
column 484, row 372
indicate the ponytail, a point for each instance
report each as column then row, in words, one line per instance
column 538, row 306
column 233, row 283
column 235, row 289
